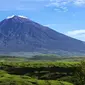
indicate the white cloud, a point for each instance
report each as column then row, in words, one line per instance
column 78, row 34
column 60, row 9
column 63, row 4
column 38, row 4
column 79, row 2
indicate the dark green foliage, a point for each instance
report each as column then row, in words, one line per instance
column 34, row 73
column 7, row 79
column 79, row 75
column 42, row 73
column 40, row 70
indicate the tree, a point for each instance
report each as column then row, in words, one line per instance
column 79, row 76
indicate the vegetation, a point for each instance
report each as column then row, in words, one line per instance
column 30, row 72
column 7, row 79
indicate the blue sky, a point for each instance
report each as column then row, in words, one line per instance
column 65, row 16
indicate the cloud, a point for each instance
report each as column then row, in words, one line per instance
column 63, row 4
column 60, row 5
column 78, row 34
column 79, row 2
column 60, row 9
column 66, row 2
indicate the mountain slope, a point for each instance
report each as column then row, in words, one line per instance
column 18, row 34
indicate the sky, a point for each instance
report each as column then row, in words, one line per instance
column 64, row 16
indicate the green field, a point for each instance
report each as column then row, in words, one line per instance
column 31, row 71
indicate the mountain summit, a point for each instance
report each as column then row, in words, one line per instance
column 14, row 16
column 20, row 34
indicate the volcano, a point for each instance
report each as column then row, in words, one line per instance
column 20, row 34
